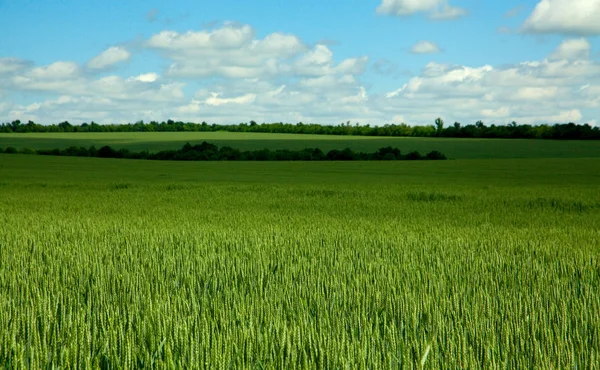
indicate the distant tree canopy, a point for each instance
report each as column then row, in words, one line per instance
column 569, row 131
column 211, row 152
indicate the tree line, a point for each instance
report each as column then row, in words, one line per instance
column 568, row 131
column 210, row 152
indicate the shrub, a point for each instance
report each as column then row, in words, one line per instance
column 107, row 152
column 414, row 155
column 28, row 151
column 435, row 155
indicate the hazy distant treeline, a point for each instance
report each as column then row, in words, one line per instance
column 569, row 131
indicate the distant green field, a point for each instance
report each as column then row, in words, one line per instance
column 508, row 173
column 451, row 147
column 470, row 264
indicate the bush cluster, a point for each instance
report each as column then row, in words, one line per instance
column 210, row 152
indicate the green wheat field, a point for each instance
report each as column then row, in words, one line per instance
column 487, row 261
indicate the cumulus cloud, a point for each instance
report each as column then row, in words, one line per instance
column 573, row 115
column 536, row 93
column 326, row 99
column 319, row 62
column 109, row 57
column 274, row 78
column 291, row 81
column 501, row 112
column 436, row 9
column 64, row 79
column 146, row 77
column 12, row 65
column 55, row 71
column 232, row 51
column 228, row 37
column 571, row 17
column 110, row 99
column 425, row 47
column 216, row 100
column 546, row 91
column 572, row 49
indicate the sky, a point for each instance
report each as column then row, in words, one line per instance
column 329, row 61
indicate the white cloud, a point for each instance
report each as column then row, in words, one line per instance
column 228, row 37
column 546, row 91
column 328, row 81
column 425, row 47
column 66, row 78
column 574, row 17
column 290, row 81
column 109, row 57
column 233, row 52
column 437, row 9
column 118, row 88
column 278, row 45
column 12, row 65
column 572, row 49
column 127, row 104
column 277, row 91
column 5, row 107
column 146, row 77
column 326, row 99
column 573, row 115
column 501, row 112
column 319, row 62
column 55, row 71
column 321, row 55
column 410, row 87
column 216, row 100
column 360, row 97
column 536, row 93
column 399, row 119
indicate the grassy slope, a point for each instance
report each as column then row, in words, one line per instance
column 290, row 265
column 453, row 148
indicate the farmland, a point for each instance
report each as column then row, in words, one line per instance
column 470, row 263
column 451, row 147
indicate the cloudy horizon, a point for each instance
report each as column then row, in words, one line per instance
column 375, row 62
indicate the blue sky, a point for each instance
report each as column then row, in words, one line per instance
column 374, row 62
